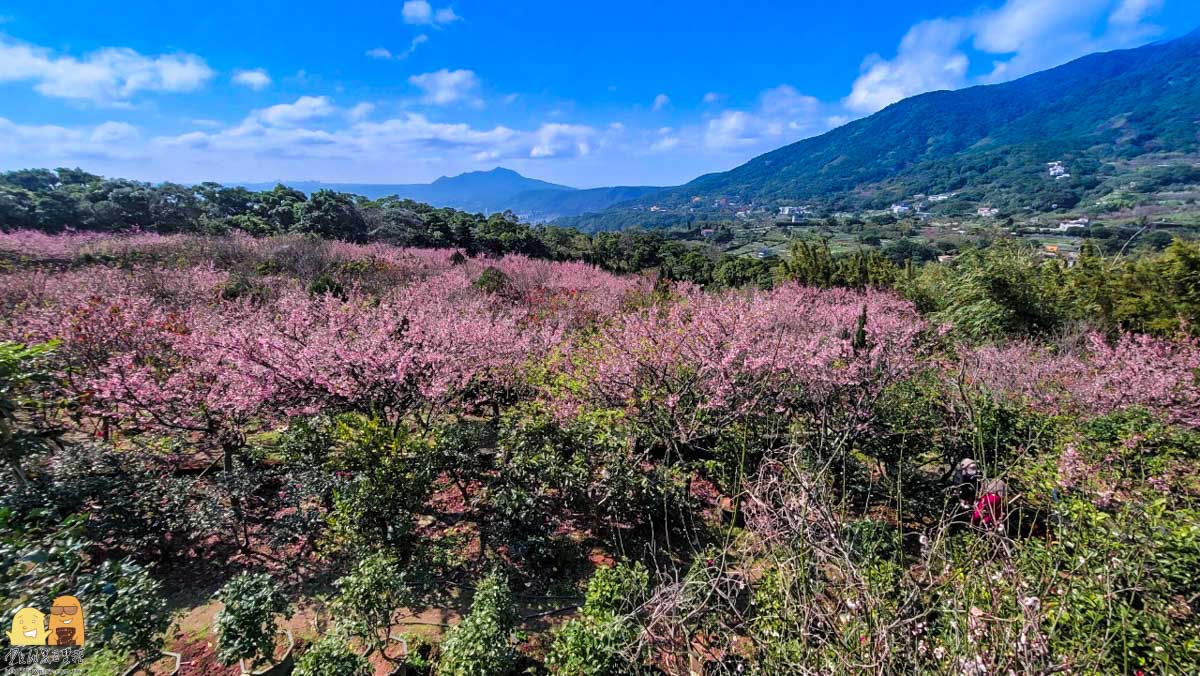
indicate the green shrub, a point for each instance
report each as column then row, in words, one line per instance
column 246, row 626
column 326, row 284
column 126, row 611
column 391, row 477
column 493, row 280
column 370, row 595
column 331, row 656
column 598, row 641
column 481, row 645
column 240, row 286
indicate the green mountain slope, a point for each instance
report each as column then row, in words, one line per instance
column 546, row 205
column 992, row 139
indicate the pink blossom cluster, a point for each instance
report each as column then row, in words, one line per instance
column 160, row 347
column 124, row 341
column 1098, row 378
column 580, row 290
column 36, row 244
column 420, row 348
column 695, row 364
column 33, row 244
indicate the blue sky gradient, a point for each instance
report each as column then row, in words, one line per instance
column 588, row 94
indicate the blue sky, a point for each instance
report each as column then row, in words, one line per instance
column 588, row 94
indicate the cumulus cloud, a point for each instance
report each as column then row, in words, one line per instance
column 661, row 101
column 255, row 79
column 52, row 145
column 107, row 76
column 302, row 110
column 443, row 87
column 561, row 140
column 783, row 115
column 386, row 54
column 1132, row 12
column 412, row 136
column 667, row 140
column 712, row 97
column 421, row 13
column 928, row 58
column 361, row 111
column 1020, row 37
column 114, row 132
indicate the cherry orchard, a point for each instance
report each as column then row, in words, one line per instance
column 172, row 345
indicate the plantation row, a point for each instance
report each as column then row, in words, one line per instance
column 788, row 480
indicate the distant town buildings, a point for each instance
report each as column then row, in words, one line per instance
column 900, row 209
column 987, row 212
column 941, row 198
column 1074, row 223
column 794, row 211
column 1057, row 170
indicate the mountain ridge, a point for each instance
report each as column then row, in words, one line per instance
column 993, row 139
column 495, row 190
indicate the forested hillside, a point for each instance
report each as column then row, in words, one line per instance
column 994, row 140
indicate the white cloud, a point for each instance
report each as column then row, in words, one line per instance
column 443, row 87
column 713, row 97
column 1023, row 36
column 561, row 140
column 783, row 115
column 361, row 111
column 107, row 76
column 784, row 100
column 291, row 114
column 661, row 101
column 928, row 58
column 1132, row 12
column 667, row 140
column 421, row 13
column 255, row 79
column 411, row 136
column 733, row 128
column 52, row 145
column 386, row 54
column 114, row 132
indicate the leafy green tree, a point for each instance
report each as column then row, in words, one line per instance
column 126, row 610
column 988, row 293
column 281, row 207
column 174, row 208
column 371, row 593
column 481, row 645
column 332, row 215
column 599, row 641
column 246, row 625
column 331, row 656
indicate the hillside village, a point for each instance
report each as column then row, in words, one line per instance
column 945, row 221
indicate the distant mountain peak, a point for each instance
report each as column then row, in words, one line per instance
column 501, row 179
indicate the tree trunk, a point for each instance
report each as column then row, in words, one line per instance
column 18, row 473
